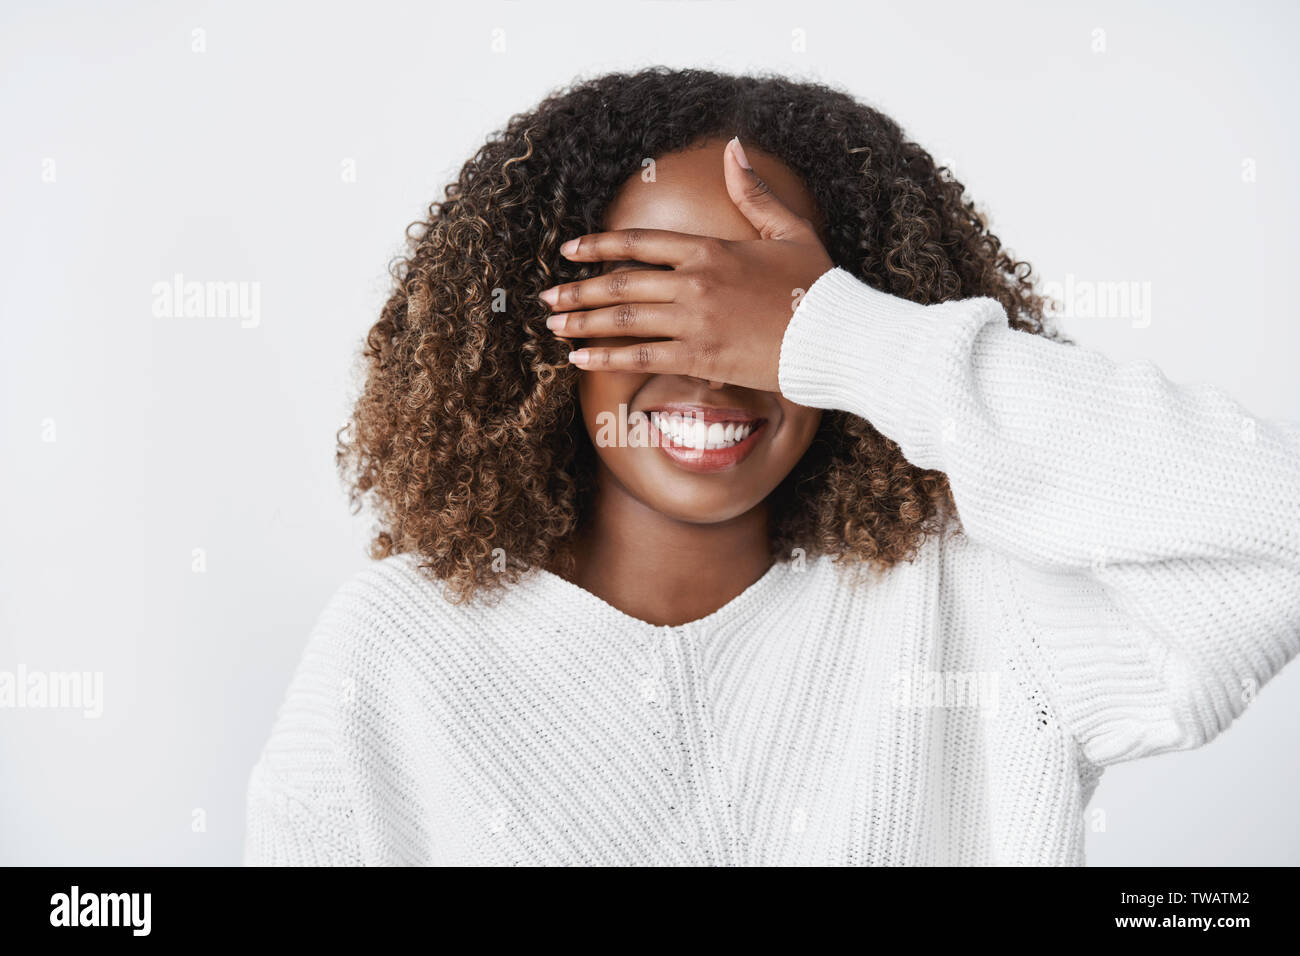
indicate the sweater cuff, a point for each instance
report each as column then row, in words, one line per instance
column 857, row 349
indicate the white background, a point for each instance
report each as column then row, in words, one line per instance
column 225, row 165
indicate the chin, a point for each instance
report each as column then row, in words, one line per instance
column 708, row 518
column 702, row 509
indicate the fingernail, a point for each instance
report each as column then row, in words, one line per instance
column 569, row 248
column 556, row 322
column 740, row 153
column 579, row 357
column 549, row 296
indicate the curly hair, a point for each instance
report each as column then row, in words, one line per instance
column 465, row 440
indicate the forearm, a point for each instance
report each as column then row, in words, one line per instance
column 1055, row 454
column 1156, row 527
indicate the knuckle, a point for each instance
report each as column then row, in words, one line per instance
column 571, row 296
column 632, row 240
column 616, row 283
column 709, row 251
column 625, row 316
column 698, row 285
column 644, row 356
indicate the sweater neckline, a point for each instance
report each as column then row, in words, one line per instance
column 751, row 596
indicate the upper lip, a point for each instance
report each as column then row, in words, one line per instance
column 704, row 413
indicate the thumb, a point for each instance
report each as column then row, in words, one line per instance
column 755, row 199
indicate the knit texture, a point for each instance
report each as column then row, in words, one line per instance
column 1126, row 577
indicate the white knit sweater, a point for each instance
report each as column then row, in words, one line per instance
column 1128, row 576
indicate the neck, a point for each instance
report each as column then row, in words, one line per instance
column 663, row 570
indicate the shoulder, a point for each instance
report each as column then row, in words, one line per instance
column 386, row 609
column 385, row 632
column 946, row 562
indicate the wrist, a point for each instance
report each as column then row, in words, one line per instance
column 851, row 347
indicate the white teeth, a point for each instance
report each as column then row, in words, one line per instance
column 693, row 433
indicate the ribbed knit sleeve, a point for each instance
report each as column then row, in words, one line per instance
column 1150, row 531
column 299, row 809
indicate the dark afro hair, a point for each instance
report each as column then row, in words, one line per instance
column 465, row 440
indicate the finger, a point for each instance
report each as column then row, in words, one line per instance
column 656, row 246
column 625, row 285
column 755, row 199
column 637, row 319
column 663, row 358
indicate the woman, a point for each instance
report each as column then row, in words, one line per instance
column 735, row 506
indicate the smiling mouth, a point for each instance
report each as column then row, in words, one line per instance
column 695, row 432
column 705, row 439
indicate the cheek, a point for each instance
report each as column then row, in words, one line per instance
column 802, row 424
column 601, row 393
column 605, row 391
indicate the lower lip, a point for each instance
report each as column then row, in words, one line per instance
column 706, row 459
